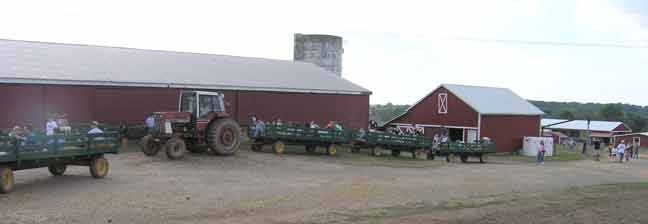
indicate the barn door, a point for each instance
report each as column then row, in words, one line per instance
column 471, row 135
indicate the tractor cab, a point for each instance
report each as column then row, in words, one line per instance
column 200, row 104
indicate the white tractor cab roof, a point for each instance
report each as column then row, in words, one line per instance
column 221, row 104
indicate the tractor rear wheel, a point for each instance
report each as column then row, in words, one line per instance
column 223, row 136
column 149, row 146
column 175, row 148
column 57, row 169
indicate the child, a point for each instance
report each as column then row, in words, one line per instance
column 614, row 153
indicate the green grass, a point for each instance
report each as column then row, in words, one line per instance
column 561, row 153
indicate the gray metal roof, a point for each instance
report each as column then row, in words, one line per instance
column 54, row 63
column 550, row 121
column 493, row 101
column 581, row 125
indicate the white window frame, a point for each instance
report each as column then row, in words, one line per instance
column 442, row 103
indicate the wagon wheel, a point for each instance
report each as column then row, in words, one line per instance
column 355, row 149
column 279, row 147
column 175, row 148
column 57, row 169
column 331, row 150
column 149, row 146
column 450, row 157
column 99, row 167
column 310, row 148
column 395, row 153
column 375, row 151
column 430, row 155
column 6, row 179
column 256, row 147
column 483, row 158
column 414, row 153
column 464, row 158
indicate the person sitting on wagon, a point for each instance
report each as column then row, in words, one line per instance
column 259, row 129
column 330, row 125
column 94, row 128
column 338, row 127
column 362, row 135
column 63, row 124
column 313, row 125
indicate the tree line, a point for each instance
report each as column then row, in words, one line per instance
column 632, row 115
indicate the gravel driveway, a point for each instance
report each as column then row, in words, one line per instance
column 265, row 188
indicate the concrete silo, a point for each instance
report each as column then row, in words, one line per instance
column 323, row 50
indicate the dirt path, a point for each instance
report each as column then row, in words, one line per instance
column 265, row 188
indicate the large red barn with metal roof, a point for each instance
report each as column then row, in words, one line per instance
column 470, row 113
column 114, row 85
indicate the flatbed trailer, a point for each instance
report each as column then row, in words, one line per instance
column 466, row 150
column 311, row 138
column 395, row 143
column 56, row 152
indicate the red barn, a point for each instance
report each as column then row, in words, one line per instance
column 114, row 85
column 474, row 112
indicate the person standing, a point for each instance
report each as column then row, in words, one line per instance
column 621, row 150
column 541, row 153
column 597, row 150
column 609, row 147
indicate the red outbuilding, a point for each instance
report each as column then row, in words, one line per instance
column 470, row 113
column 115, row 85
column 637, row 139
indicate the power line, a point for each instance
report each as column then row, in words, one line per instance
column 550, row 43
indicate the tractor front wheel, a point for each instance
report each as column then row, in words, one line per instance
column 175, row 148
column 223, row 136
column 149, row 146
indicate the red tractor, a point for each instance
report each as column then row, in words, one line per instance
column 201, row 124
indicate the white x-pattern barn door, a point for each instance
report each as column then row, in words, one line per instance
column 443, row 103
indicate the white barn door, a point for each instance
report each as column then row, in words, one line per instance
column 471, row 135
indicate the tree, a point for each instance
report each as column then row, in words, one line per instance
column 636, row 122
column 612, row 112
column 566, row 114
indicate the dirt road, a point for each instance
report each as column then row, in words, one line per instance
column 293, row 188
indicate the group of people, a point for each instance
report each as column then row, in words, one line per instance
column 623, row 152
column 54, row 124
column 258, row 126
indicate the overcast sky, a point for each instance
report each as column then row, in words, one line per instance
column 400, row 50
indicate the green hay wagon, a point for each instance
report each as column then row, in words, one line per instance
column 466, row 150
column 395, row 143
column 311, row 138
column 55, row 152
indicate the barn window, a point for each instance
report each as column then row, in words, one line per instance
column 443, row 103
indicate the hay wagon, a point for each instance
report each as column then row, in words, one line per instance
column 55, row 152
column 311, row 138
column 395, row 143
column 466, row 150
